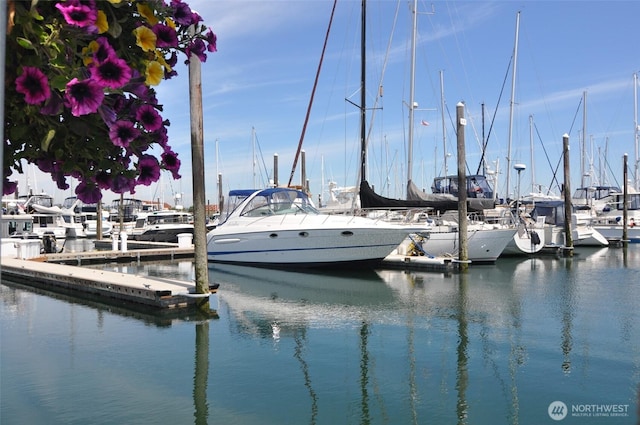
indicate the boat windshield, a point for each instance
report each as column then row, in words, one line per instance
column 278, row 202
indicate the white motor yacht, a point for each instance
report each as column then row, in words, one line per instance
column 280, row 227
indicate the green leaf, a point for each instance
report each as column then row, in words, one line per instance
column 114, row 29
column 24, row 43
column 47, row 140
column 59, row 82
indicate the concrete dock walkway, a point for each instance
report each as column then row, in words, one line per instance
column 160, row 293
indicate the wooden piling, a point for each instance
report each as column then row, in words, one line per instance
column 567, row 197
column 197, row 164
column 463, row 254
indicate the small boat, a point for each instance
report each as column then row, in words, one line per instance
column 280, row 227
column 583, row 232
column 607, row 208
column 76, row 211
column 162, row 226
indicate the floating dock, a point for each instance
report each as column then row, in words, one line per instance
column 419, row 262
column 149, row 252
column 149, row 292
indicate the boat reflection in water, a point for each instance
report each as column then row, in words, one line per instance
column 495, row 345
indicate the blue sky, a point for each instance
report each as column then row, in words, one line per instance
column 268, row 52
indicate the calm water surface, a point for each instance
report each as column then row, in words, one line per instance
column 524, row 341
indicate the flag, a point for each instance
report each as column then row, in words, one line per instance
column 423, row 122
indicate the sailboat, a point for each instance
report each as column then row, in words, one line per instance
column 437, row 238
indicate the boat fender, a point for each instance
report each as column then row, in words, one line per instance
column 535, row 238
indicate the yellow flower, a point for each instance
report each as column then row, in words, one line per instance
column 160, row 59
column 154, row 73
column 170, row 22
column 115, row 1
column 145, row 38
column 101, row 22
column 147, row 13
column 87, row 52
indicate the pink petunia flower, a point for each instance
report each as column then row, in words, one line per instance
column 148, row 169
column 33, row 85
column 149, row 117
column 122, row 133
column 84, row 96
column 79, row 14
column 88, row 193
column 171, row 163
column 183, row 14
column 112, row 72
column 165, row 36
column 212, row 41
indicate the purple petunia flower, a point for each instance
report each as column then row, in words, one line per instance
column 8, row 187
column 197, row 47
column 33, row 85
column 60, row 179
column 172, row 60
column 122, row 184
column 103, row 179
column 78, row 14
column 88, row 193
column 165, row 36
column 53, row 105
column 112, row 72
column 104, row 50
column 182, row 13
column 149, row 117
column 149, row 170
column 122, row 133
column 47, row 165
column 108, row 115
column 84, row 96
column 212, row 41
column 171, row 163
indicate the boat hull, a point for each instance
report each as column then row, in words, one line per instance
column 614, row 232
column 300, row 245
column 483, row 245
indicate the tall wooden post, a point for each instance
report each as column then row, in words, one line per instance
column 220, row 195
column 275, row 171
column 463, row 255
column 625, row 200
column 567, row 196
column 199, row 196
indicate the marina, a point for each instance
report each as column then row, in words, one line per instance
column 392, row 302
column 499, row 344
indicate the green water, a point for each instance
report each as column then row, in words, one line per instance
column 498, row 345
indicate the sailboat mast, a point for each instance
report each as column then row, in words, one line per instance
column 363, row 98
column 253, row 154
column 513, row 92
column 583, row 167
column 533, row 169
column 412, row 80
column 444, row 125
column 635, row 128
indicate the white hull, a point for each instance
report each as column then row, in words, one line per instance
column 484, row 245
column 614, row 232
column 284, row 232
column 524, row 243
column 320, row 246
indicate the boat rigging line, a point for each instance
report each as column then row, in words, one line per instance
column 313, row 91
